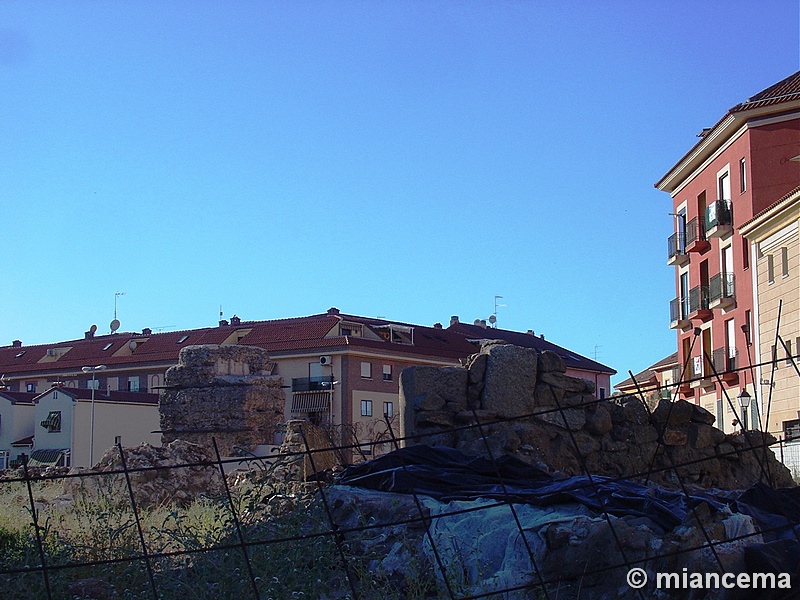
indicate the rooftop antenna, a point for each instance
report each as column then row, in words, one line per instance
column 493, row 316
column 116, row 295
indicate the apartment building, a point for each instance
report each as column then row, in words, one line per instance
column 338, row 369
column 739, row 167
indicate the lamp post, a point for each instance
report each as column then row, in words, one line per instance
column 93, row 371
column 744, row 402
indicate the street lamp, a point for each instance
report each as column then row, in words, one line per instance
column 744, row 402
column 93, row 371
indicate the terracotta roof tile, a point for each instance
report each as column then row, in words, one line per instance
column 529, row 340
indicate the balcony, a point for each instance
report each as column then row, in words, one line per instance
column 676, row 250
column 699, row 303
column 679, row 314
column 724, row 360
column 312, row 384
column 702, row 374
column 695, row 236
column 719, row 219
column 722, row 291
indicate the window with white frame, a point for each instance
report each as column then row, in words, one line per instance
column 366, row 408
column 387, row 372
column 366, row 370
column 93, row 384
column 30, row 387
column 133, row 384
column 784, row 261
column 388, row 409
column 742, row 175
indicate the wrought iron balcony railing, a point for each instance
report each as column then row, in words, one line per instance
column 698, row 298
column 312, row 384
column 721, row 286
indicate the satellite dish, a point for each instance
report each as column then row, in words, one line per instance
column 114, row 325
column 492, row 319
column 93, row 329
column 133, row 345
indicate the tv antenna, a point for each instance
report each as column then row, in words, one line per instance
column 116, row 295
column 493, row 316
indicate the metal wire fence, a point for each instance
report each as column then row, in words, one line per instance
column 163, row 570
column 245, row 553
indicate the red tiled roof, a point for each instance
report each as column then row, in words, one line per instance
column 102, row 396
column 790, row 196
column 18, row 397
column 280, row 336
column 528, row 340
column 783, row 91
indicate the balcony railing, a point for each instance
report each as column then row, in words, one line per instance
column 725, row 363
column 695, row 231
column 719, row 218
column 698, row 299
column 676, row 248
column 721, row 290
column 312, row 384
column 678, row 312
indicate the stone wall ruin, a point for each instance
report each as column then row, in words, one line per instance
column 224, row 392
column 530, row 408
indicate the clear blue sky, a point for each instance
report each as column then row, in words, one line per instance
column 409, row 160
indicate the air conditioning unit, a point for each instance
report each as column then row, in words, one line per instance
column 325, row 361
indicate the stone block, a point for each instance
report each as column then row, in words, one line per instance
column 477, row 367
column 564, row 382
column 568, row 418
column 675, row 437
column 598, row 421
column 551, row 362
column 547, row 395
column 510, row 381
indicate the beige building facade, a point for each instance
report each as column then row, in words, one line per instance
column 775, row 244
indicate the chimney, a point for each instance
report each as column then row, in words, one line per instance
column 236, row 320
column 147, row 331
column 541, row 335
column 477, row 322
column 16, row 344
column 530, row 332
column 437, row 325
column 333, row 310
column 453, row 320
column 223, row 322
column 87, row 335
column 483, row 323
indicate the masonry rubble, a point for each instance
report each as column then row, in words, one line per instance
column 223, row 392
column 176, row 473
column 528, row 407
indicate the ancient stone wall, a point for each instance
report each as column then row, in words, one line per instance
column 530, row 408
column 224, row 392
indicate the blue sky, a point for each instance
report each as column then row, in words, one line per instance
column 409, row 160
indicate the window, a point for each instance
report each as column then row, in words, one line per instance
column 745, row 253
column 366, row 408
column 784, row 262
column 788, row 352
column 602, row 393
column 387, row 372
column 53, row 422
column 366, row 370
column 770, row 269
column 117, row 440
column 724, row 187
column 30, row 387
column 791, row 430
column 388, row 409
column 93, row 384
column 107, row 346
column 133, row 384
column 183, row 339
column 742, row 176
